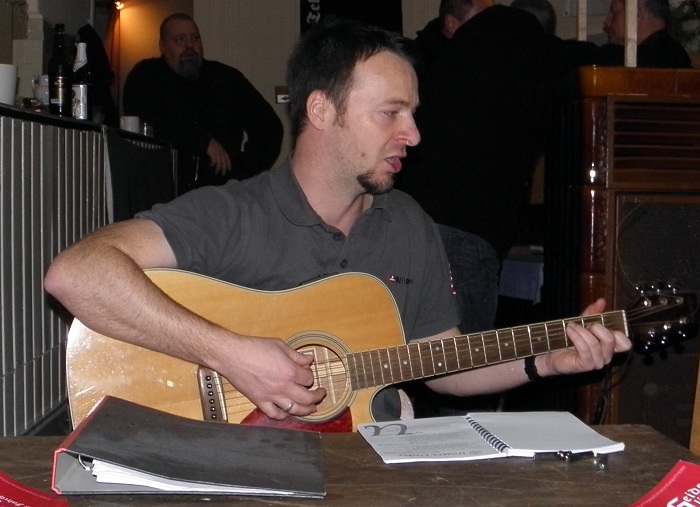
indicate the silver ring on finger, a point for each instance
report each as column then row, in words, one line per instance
column 289, row 407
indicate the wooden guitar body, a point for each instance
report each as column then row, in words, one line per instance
column 320, row 318
column 349, row 324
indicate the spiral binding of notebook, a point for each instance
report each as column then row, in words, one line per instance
column 489, row 437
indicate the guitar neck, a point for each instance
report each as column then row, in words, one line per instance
column 426, row 359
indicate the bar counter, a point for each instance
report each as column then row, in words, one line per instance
column 356, row 476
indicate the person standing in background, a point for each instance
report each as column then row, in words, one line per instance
column 655, row 45
column 481, row 119
column 437, row 33
column 221, row 125
column 489, row 78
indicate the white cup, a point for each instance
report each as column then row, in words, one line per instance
column 41, row 88
column 8, row 83
column 130, row 124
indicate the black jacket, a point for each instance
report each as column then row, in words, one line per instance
column 222, row 104
column 482, row 118
column 428, row 44
column 659, row 50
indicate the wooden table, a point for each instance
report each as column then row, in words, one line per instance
column 356, row 476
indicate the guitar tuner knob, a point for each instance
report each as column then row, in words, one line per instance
column 656, row 286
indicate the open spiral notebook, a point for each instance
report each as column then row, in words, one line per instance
column 484, row 435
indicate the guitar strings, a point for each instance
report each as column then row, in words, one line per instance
column 334, row 374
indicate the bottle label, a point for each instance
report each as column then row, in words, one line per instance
column 60, row 91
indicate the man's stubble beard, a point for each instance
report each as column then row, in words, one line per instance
column 367, row 180
column 372, row 186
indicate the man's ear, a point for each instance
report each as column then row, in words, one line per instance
column 450, row 25
column 318, row 109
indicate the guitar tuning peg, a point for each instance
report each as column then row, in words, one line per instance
column 641, row 287
column 672, row 285
column 656, row 286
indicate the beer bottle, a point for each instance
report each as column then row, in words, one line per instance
column 60, row 71
column 82, row 85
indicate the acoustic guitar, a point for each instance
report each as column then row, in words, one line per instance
column 349, row 323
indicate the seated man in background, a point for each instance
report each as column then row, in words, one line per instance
column 221, row 125
column 329, row 209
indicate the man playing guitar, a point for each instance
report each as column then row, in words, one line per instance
column 330, row 209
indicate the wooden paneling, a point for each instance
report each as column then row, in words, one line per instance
column 624, row 208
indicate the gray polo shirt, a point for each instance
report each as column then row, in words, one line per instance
column 261, row 233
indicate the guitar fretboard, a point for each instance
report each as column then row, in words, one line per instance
column 436, row 357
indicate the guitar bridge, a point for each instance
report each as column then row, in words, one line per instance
column 211, row 395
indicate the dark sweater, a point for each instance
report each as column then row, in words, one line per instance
column 482, row 118
column 659, row 50
column 221, row 104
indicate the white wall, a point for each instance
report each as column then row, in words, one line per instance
column 72, row 13
column 416, row 13
column 30, row 50
column 257, row 38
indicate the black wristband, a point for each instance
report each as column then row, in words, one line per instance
column 531, row 369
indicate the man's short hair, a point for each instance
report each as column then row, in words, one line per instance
column 325, row 59
column 178, row 16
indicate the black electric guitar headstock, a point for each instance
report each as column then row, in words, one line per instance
column 661, row 318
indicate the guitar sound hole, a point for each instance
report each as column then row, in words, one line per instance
column 331, row 374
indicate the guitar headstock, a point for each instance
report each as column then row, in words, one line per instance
column 660, row 319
